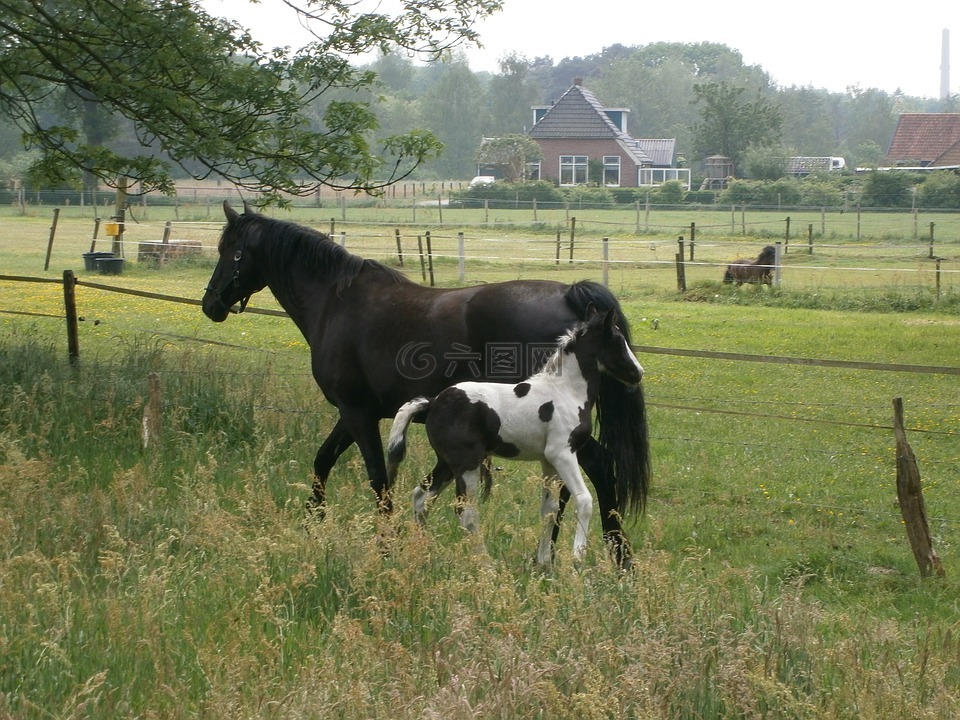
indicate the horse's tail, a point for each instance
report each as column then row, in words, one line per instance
column 397, row 441
column 728, row 275
column 621, row 412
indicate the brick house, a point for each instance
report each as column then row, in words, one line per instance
column 925, row 140
column 583, row 142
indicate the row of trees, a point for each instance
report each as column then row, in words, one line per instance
column 155, row 89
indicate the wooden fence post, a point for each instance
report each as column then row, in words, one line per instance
column 558, row 247
column 396, row 233
column 810, row 239
column 165, row 242
column 693, row 238
column 931, row 241
column 606, row 262
column 573, row 233
column 681, row 270
column 96, row 230
column 70, row 307
column 461, row 259
column 53, row 232
column 786, row 237
column 423, row 262
column 777, row 263
column 429, row 257
column 910, row 495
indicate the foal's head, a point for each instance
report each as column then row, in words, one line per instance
column 600, row 340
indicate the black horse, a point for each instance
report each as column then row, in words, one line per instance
column 759, row 271
column 377, row 340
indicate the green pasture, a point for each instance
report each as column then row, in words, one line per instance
column 773, row 575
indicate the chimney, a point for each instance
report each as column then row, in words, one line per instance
column 578, row 81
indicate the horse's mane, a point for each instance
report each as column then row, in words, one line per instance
column 564, row 342
column 294, row 247
column 767, row 256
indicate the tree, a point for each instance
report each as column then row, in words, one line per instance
column 512, row 153
column 455, row 110
column 765, row 163
column 887, row 189
column 204, row 95
column 729, row 126
column 940, row 189
column 511, row 95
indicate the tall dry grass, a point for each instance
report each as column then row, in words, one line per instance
column 185, row 582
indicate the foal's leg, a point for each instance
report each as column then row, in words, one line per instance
column 332, row 448
column 426, row 492
column 549, row 515
column 566, row 464
column 467, row 507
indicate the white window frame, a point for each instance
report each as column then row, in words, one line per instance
column 651, row 177
column 574, row 170
column 611, row 170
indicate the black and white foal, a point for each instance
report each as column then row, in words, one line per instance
column 546, row 417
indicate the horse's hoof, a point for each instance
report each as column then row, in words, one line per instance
column 315, row 510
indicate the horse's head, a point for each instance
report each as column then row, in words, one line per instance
column 768, row 256
column 236, row 276
column 612, row 351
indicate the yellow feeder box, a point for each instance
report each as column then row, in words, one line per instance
column 111, row 229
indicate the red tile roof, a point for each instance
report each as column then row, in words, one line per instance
column 922, row 139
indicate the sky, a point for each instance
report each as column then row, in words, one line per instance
column 830, row 45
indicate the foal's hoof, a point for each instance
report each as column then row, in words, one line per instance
column 619, row 551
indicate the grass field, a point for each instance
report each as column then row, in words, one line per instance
column 773, row 577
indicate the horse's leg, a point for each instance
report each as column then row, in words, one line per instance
column 426, row 492
column 364, row 427
column 593, row 460
column 550, row 509
column 566, row 466
column 332, row 448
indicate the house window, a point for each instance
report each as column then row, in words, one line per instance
column 533, row 171
column 573, row 169
column 611, row 170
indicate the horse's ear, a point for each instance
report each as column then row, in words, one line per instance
column 609, row 320
column 247, row 209
column 229, row 212
column 590, row 313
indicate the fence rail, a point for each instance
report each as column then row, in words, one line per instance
column 907, row 475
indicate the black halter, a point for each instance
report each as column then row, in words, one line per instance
column 235, row 281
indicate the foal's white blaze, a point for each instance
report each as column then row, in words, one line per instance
column 633, row 358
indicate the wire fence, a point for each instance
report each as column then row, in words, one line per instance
column 931, row 420
column 643, row 245
column 477, row 253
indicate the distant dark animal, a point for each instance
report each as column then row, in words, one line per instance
column 547, row 417
column 758, row 271
column 378, row 339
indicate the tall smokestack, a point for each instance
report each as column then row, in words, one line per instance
column 945, row 66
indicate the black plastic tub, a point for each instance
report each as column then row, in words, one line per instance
column 110, row 265
column 90, row 259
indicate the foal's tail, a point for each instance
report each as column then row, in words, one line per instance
column 397, row 442
column 621, row 412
